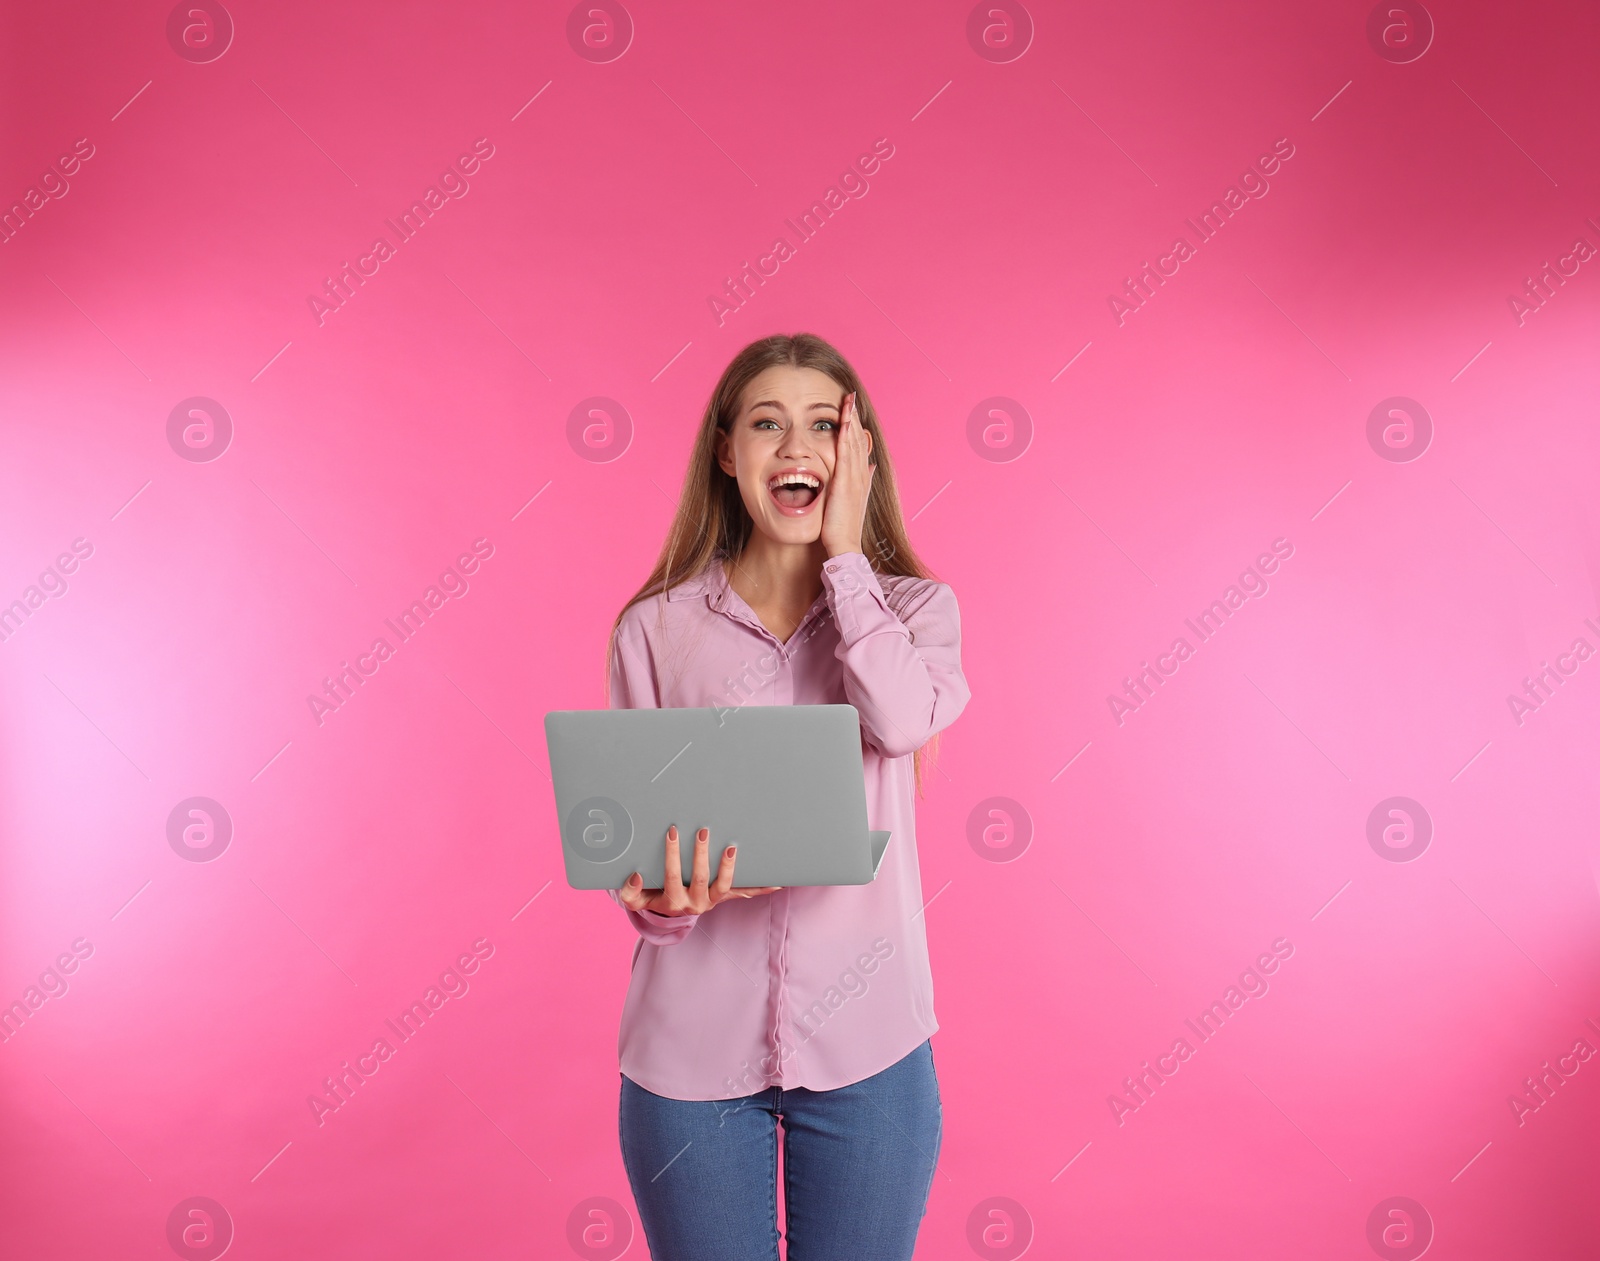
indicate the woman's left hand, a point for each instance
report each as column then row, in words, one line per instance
column 845, row 513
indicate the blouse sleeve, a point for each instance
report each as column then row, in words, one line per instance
column 903, row 676
column 633, row 686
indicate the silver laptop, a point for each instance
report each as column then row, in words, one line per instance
column 782, row 782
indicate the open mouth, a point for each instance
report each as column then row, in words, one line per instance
column 794, row 491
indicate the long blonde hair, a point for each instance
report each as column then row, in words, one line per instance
column 712, row 522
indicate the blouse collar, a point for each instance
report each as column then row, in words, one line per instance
column 712, row 581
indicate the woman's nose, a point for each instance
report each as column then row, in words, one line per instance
column 796, row 444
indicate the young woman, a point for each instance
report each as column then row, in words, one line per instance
column 812, row 1006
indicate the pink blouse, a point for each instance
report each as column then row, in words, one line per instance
column 816, row 986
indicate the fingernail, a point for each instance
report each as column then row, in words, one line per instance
column 732, row 849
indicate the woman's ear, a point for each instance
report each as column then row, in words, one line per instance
column 860, row 420
column 723, row 451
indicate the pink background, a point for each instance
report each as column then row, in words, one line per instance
column 369, row 450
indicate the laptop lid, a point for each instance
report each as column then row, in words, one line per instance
column 782, row 782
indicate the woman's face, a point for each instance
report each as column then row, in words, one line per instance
column 781, row 449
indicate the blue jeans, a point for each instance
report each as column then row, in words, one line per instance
column 858, row 1165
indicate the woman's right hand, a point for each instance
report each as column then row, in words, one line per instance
column 701, row 895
